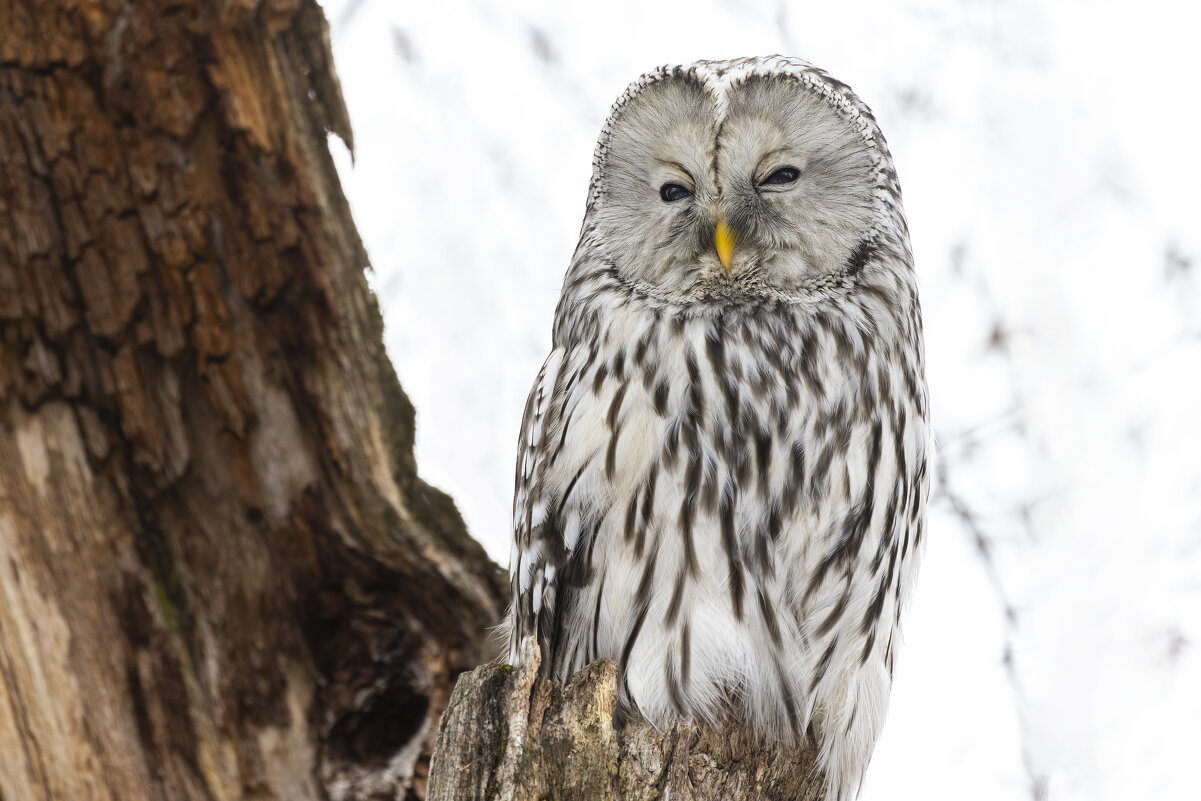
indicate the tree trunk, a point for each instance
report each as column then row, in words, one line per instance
column 220, row 577
column 510, row 736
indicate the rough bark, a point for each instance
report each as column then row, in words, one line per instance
column 510, row 736
column 220, row 576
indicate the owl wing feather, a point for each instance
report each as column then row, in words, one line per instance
column 531, row 567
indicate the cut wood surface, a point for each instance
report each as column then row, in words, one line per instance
column 220, row 575
column 508, row 735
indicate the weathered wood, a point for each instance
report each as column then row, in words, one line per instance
column 220, row 576
column 510, row 736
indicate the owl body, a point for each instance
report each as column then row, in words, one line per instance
column 722, row 474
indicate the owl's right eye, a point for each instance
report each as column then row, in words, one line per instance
column 673, row 192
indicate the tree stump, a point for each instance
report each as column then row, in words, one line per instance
column 220, row 575
column 508, row 735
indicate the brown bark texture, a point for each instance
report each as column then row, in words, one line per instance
column 508, row 735
column 220, row 576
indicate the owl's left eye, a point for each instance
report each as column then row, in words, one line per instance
column 784, row 175
column 673, row 192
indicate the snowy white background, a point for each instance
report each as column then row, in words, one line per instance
column 1048, row 157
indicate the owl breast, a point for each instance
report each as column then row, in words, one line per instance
column 737, row 495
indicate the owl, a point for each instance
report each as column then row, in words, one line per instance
column 722, row 469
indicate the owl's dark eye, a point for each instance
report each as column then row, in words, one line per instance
column 784, row 175
column 673, row 192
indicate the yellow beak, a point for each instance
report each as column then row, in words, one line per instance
column 725, row 239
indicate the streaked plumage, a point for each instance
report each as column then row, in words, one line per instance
column 722, row 473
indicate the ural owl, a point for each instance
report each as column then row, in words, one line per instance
column 721, row 478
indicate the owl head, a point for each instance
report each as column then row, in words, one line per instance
column 740, row 180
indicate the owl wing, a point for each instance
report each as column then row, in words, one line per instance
column 535, row 539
